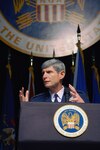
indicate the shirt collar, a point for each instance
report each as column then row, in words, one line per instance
column 59, row 93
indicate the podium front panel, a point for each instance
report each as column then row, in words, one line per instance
column 36, row 123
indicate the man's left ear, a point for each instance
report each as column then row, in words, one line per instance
column 62, row 74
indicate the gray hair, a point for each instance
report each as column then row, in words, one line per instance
column 56, row 63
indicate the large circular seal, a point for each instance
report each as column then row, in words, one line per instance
column 70, row 120
column 42, row 26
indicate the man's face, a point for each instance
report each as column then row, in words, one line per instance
column 51, row 77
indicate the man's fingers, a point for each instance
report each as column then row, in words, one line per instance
column 72, row 94
column 72, row 88
column 23, row 98
column 22, row 90
column 27, row 94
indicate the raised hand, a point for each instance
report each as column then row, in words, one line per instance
column 23, row 97
column 75, row 97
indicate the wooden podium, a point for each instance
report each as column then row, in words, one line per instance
column 37, row 131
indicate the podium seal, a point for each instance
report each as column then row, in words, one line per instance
column 70, row 120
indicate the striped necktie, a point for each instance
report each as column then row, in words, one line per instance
column 55, row 96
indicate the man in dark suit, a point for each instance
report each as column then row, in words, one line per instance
column 53, row 73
